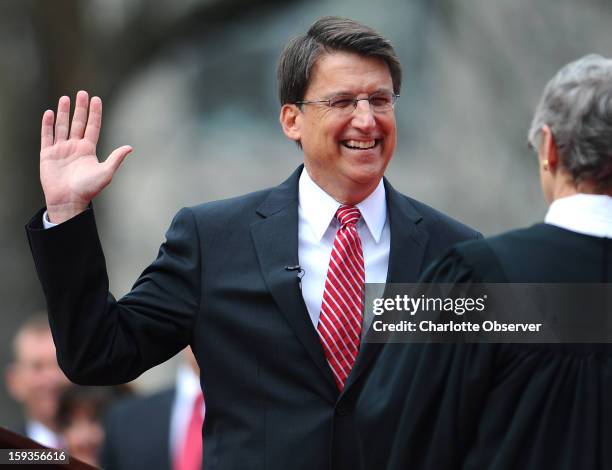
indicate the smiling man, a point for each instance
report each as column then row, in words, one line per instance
column 345, row 122
column 266, row 288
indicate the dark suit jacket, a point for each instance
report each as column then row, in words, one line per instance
column 497, row 406
column 220, row 284
column 137, row 433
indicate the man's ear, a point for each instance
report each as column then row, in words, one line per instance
column 548, row 149
column 290, row 119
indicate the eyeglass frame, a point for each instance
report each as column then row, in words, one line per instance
column 354, row 100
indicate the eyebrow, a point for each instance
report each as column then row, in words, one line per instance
column 351, row 94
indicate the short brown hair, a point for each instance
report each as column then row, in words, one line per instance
column 328, row 34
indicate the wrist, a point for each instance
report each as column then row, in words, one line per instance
column 59, row 213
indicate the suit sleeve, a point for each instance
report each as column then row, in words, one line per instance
column 101, row 341
column 450, row 268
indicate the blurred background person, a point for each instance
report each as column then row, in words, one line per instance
column 35, row 381
column 528, row 406
column 79, row 417
column 161, row 431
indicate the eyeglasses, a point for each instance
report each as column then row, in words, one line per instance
column 379, row 102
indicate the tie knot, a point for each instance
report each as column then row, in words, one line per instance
column 348, row 215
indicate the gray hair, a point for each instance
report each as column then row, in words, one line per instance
column 328, row 34
column 577, row 106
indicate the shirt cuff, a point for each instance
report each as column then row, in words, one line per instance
column 46, row 222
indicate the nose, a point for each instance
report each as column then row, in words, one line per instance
column 363, row 116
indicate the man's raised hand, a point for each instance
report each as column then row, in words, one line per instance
column 70, row 173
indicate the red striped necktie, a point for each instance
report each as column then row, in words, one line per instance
column 339, row 324
column 189, row 456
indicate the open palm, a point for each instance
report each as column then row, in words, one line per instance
column 70, row 173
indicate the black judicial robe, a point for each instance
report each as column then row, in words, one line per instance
column 497, row 406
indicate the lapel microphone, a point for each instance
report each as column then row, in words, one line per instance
column 299, row 270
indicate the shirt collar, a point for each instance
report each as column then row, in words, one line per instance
column 319, row 207
column 590, row 214
column 43, row 435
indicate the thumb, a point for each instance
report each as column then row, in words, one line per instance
column 115, row 159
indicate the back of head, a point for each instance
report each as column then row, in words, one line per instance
column 327, row 35
column 577, row 106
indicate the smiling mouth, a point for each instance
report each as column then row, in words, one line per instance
column 360, row 144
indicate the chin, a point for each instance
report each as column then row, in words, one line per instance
column 366, row 177
column 368, row 167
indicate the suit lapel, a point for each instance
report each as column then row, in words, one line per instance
column 408, row 242
column 275, row 237
column 408, row 239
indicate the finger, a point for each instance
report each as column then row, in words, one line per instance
column 46, row 129
column 115, row 159
column 62, row 120
column 94, row 121
column 79, row 120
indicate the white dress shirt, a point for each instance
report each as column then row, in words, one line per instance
column 187, row 389
column 43, row 435
column 589, row 214
column 317, row 229
column 46, row 222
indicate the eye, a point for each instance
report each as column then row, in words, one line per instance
column 341, row 102
column 380, row 101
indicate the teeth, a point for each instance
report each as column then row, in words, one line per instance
column 360, row 144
